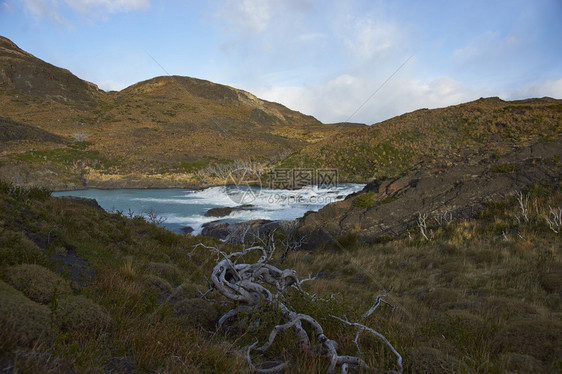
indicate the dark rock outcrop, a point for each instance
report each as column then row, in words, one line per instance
column 187, row 229
column 457, row 187
column 233, row 232
column 84, row 200
column 226, row 211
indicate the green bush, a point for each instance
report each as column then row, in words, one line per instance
column 159, row 285
column 37, row 283
column 186, row 290
column 24, row 193
column 504, row 168
column 196, row 313
column 22, row 321
column 364, row 201
column 78, row 313
column 169, row 272
column 16, row 248
column 348, row 240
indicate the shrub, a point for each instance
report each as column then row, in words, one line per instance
column 169, row 272
column 551, row 282
column 186, row 290
column 24, row 193
column 37, row 283
column 428, row 360
column 508, row 308
column 196, row 312
column 441, row 296
column 159, row 285
column 364, row 201
column 16, row 248
column 537, row 337
column 22, row 321
column 504, row 168
column 348, row 240
column 78, row 313
column 461, row 327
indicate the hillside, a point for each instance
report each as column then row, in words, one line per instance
column 84, row 290
column 456, row 188
column 387, row 149
column 154, row 133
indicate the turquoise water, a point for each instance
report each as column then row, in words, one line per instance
column 180, row 208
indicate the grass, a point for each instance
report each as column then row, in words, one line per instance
column 68, row 156
column 389, row 148
column 504, row 168
column 482, row 296
column 364, row 201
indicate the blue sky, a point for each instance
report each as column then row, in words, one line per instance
column 324, row 58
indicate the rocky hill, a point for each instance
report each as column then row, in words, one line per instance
column 388, row 149
column 435, row 192
column 436, row 163
column 154, row 133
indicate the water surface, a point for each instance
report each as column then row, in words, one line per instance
column 180, row 208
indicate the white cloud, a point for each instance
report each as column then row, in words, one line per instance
column 51, row 8
column 109, row 85
column 368, row 38
column 109, row 6
column 339, row 98
column 246, row 15
column 45, row 8
column 311, row 37
column 489, row 50
column 551, row 88
column 7, row 7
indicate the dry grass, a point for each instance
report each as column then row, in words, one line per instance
column 467, row 299
column 481, row 296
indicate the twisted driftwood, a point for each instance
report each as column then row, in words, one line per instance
column 250, row 285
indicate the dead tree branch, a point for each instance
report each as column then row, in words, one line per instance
column 523, row 201
column 554, row 219
column 251, row 285
column 423, row 225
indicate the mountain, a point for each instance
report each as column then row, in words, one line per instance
column 387, row 149
column 158, row 132
column 23, row 73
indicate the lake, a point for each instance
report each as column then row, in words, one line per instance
column 179, row 208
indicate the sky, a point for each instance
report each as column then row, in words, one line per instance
column 348, row 60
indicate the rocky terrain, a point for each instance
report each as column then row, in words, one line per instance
column 440, row 189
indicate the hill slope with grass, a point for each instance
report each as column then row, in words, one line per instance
column 83, row 290
column 154, row 133
column 388, row 149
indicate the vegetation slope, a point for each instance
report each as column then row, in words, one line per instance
column 158, row 132
column 388, row 149
column 83, row 290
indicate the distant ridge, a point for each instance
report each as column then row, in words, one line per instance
column 388, row 148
